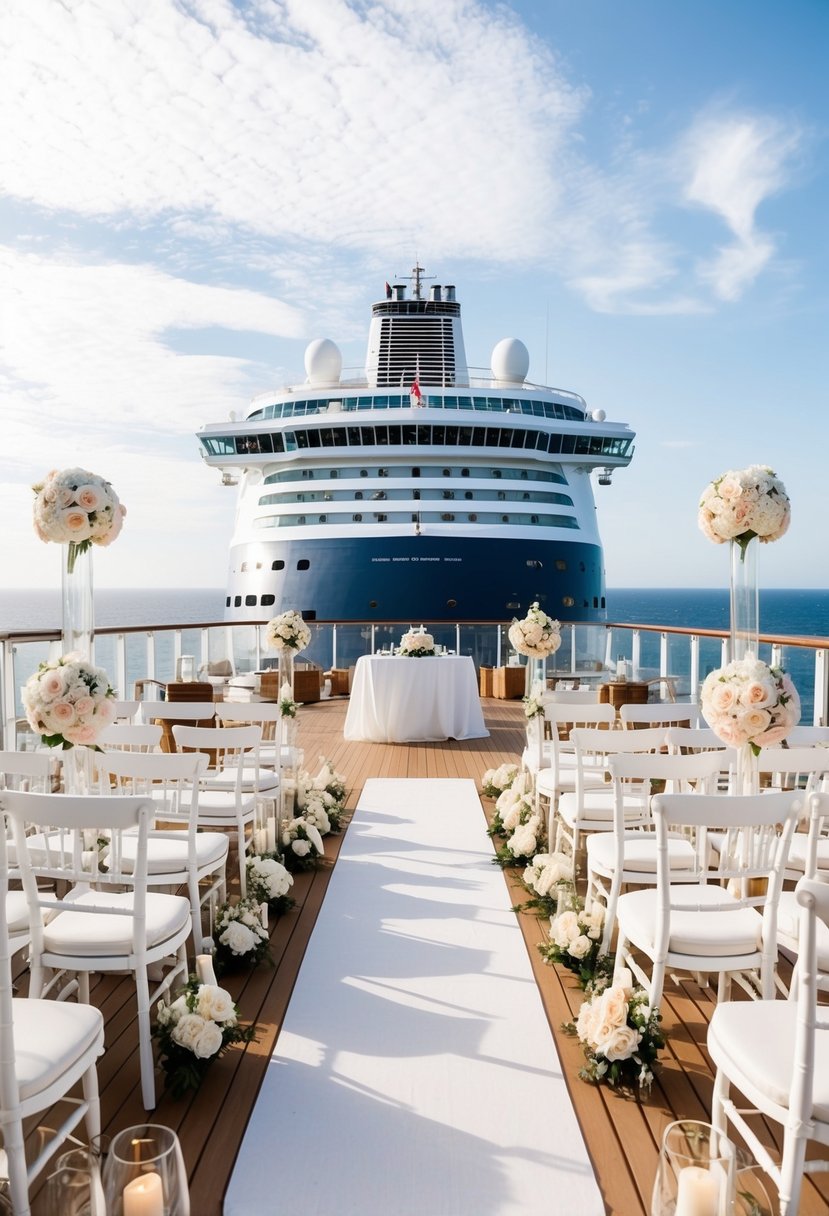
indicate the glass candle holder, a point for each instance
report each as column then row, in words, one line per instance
column 144, row 1173
column 695, row 1175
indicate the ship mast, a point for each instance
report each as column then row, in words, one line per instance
column 417, row 278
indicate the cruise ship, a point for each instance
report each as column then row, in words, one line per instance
column 421, row 490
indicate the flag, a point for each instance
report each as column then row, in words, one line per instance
column 388, row 291
column 414, row 391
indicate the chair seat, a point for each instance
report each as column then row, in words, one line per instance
column 225, row 779
column 220, row 806
column 49, row 1037
column 788, row 924
column 597, row 807
column 797, row 852
column 640, row 853
column 100, row 935
column 743, row 1033
column 168, row 852
column 549, row 782
column 729, row 933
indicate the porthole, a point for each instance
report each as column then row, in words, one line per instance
column 250, row 601
column 372, row 603
column 277, row 565
column 567, row 601
column 451, row 603
column 267, row 600
column 358, row 519
column 227, row 602
column 303, row 564
column 472, row 518
column 237, row 601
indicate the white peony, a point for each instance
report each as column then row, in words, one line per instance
column 238, row 938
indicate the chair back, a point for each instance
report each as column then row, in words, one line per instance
column 170, row 780
column 125, row 711
column 684, row 740
column 662, row 713
column 577, row 714
column 795, row 768
column 572, row 696
column 27, row 771
column 178, row 711
column 808, row 736
column 130, row 737
column 593, row 748
column 258, row 712
column 818, row 832
column 234, row 747
column 813, row 898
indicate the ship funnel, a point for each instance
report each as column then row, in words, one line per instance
column 435, row 293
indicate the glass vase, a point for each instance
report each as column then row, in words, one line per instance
column 74, row 1188
column 744, row 600
column 78, row 616
column 79, row 774
column 286, row 669
column 144, row 1172
column 695, row 1175
column 748, row 771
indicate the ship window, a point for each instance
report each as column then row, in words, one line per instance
column 581, row 567
column 334, row 473
column 603, row 603
column 533, row 519
column 496, row 473
column 447, row 472
column 472, row 518
column 277, row 565
column 595, row 601
column 382, row 472
column 267, row 600
column 524, row 471
column 415, row 472
column 313, row 439
column 394, row 435
column 364, row 472
column 358, row 519
column 237, row 601
column 451, row 603
column 468, row 494
column 464, row 472
column 504, row 519
column 568, row 601
column 561, row 565
column 439, row 434
column 415, row 518
column 379, row 494
column 243, row 567
column 381, row 519
column 501, row 495
column 372, row 603
column 250, row 601
column 300, row 519
column 448, row 493
column 416, row 494
column 227, row 602
column 323, row 519
column 367, row 433
column 447, row 517
column 303, row 564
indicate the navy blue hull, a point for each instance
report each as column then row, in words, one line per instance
column 417, row 578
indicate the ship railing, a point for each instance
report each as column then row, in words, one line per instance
column 590, row 652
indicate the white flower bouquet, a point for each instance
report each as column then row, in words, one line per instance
column 78, row 509
column 287, row 631
column 619, row 1039
column 743, row 504
column 302, row 843
column 575, row 936
column 537, row 635
column 748, row 702
column 239, row 935
column 287, row 704
column 320, row 800
column 193, row 1031
column 496, row 780
column 268, row 882
column 68, row 702
column 534, row 703
column 543, row 878
column 416, row 644
column 329, row 780
column 504, row 819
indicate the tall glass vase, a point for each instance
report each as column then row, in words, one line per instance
column 78, row 616
column 745, row 610
column 286, row 669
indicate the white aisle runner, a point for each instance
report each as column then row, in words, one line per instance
column 415, row 1073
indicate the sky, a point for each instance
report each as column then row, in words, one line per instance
column 193, row 190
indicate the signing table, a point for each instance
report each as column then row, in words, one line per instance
column 396, row 700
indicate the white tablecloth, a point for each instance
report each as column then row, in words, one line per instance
column 403, row 700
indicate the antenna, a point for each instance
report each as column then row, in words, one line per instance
column 416, row 278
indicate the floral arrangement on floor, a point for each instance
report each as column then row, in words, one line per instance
column 504, row 819
column 534, row 703
column 416, row 644
column 748, row 702
column 575, row 938
column 537, row 635
column 78, row 509
column 496, row 780
column 268, row 882
column 68, row 702
column 287, row 704
column 619, row 1039
column 320, row 800
column 744, row 504
column 524, row 833
column 193, row 1031
column 543, row 877
column 287, row 631
column 302, row 843
column 239, row 935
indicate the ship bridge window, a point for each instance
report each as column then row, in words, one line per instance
column 267, row 600
column 303, row 564
column 277, row 565
column 250, row 601
column 367, row 435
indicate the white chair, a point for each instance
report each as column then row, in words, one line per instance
column 572, row 696
column 776, row 1053
column 808, row 736
column 125, row 711
column 130, row 737
column 175, row 856
column 626, row 856
column 687, row 740
column 272, row 752
column 46, row 1048
column 108, row 920
column 224, row 803
column 34, row 771
column 177, row 711
column 658, row 713
column 554, row 759
column 813, row 850
column 589, row 807
column 713, row 925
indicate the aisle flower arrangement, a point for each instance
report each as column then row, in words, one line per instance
column 68, row 702
column 78, row 509
column 749, row 703
column 193, row 1031
column 302, row 843
column 543, row 878
column 496, row 780
column 575, row 937
column 240, row 937
column 534, row 703
column 287, row 631
column 537, row 635
column 321, row 799
column 519, row 790
column 744, row 504
column 416, row 644
column 620, row 1040
column 268, row 882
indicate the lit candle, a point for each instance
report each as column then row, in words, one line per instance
column 260, row 840
column 204, row 969
column 144, row 1196
column 263, row 912
column 697, row 1192
column 270, row 835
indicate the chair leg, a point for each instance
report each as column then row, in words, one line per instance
column 16, row 1163
column 791, row 1172
column 195, row 912
column 145, row 1047
column 722, row 1088
column 89, row 1083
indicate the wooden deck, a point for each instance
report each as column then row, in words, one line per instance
column 622, row 1134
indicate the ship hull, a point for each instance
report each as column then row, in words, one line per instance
column 427, row 578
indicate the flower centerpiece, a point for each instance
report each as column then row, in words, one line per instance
column 193, row 1031
column 287, row 631
column 575, row 937
column 302, row 843
column 620, row 1039
column 537, row 635
column 496, row 780
column 68, row 702
column 78, row 509
column 416, row 644
column 268, row 882
column 748, row 703
column 744, row 504
column 239, row 935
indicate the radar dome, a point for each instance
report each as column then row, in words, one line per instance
column 510, row 361
column 323, row 361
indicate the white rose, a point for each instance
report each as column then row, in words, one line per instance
column 238, row 938
column 621, row 1044
column 215, row 1003
column 208, row 1042
column 187, row 1030
column 580, row 947
column 301, row 847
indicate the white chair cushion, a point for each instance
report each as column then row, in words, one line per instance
column 797, row 853
column 640, row 853
column 17, row 913
column 48, row 1038
column 788, row 924
column 220, row 806
column 168, row 852
column 709, row 934
column 225, row 779
column 758, row 1036
column 83, row 934
column 597, row 807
